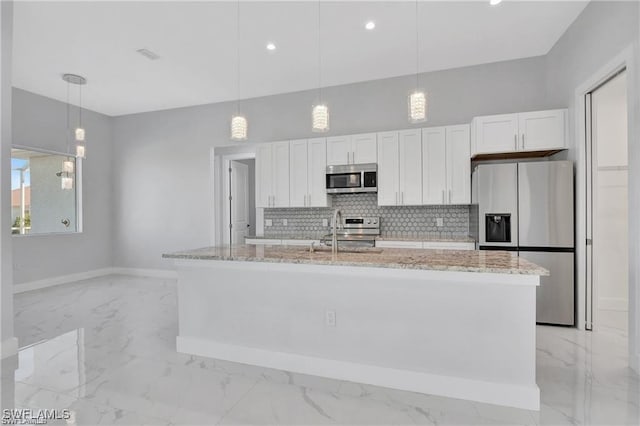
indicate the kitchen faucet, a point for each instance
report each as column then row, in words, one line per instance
column 334, row 240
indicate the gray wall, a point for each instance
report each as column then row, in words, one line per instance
column 163, row 160
column 6, row 272
column 40, row 122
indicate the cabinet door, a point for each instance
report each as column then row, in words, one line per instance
column 496, row 133
column 298, row 172
column 410, row 167
column 388, row 174
column 280, row 174
column 434, row 171
column 338, row 150
column 458, row 165
column 316, row 178
column 264, row 175
column 541, row 130
column 364, row 148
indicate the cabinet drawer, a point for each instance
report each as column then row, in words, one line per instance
column 262, row 241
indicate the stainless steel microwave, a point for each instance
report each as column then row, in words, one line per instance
column 352, row 178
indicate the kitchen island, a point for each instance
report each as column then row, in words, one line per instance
column 453, row 323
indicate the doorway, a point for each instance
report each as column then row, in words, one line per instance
column 240, row 211
column 607, row 301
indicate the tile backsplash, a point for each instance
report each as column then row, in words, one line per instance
column 395, row 221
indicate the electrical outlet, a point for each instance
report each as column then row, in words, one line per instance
column 439, row 222
column 268, row 222
column 330, row 318
column 325, row 222
column 284, row 222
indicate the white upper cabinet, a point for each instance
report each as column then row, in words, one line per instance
column 410, row 167
column 458, row 160
column 316, row 178
column 353, row 149
column 264, row 175
column 307, row 163
column 542, row 130
column 521, row 132
column 388, row 174
column 364, row 148
column 400, row 168
column 299, row 171
column 496, row 133
column 281, row 174
column 446, row 165
column 434, row 169
column 338, row 150
column 272, row 174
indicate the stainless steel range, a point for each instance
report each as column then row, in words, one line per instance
column 356, row 231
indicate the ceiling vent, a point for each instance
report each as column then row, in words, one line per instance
column 148, row 54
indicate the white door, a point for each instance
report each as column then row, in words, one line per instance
column 388, row 174
column 298, row 184
column 264, row 175
column 458, row 165
column 364, row 148
column 434, row 171
column 496, row 133
column 239, row 202
column 280, row 174
column 316, row 177
column 410, row 167
column 541, row 130
column 338, row 150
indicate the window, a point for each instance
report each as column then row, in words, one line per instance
column 44, row 188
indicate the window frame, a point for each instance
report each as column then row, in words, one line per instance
column 77, row 188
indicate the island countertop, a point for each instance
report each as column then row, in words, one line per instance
column 501, row 262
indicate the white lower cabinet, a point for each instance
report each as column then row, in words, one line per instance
column 272, row 174
column 433, row 245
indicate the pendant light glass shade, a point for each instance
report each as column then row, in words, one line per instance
column 66, row 182
column 320, row 118
column 80, row 134
column 417, row 107
column 239, row 128
column 67, row 166
column 80, row 151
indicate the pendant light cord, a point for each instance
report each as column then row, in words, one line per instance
column 68, row 120
column 319, row 59
column 417, row 47
column 80, row 109
column 238, row 57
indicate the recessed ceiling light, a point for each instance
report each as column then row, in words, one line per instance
column 371, row 25
column 148, row 54
column 271, row 46
column 495, row 2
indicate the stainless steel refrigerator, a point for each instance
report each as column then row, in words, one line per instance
column 528, row 207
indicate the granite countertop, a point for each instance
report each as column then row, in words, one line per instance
column 420, row 238
column 501, row 262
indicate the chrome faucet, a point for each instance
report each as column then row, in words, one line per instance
column 334, row 240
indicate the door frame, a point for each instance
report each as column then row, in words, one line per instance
column 226, row 164
column 626, row 59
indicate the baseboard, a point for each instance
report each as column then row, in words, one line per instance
column 63, row 279
column 511, row 395
column 151, row 273
column 613, row 304
column 9, row 347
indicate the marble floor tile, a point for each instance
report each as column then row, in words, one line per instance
column 105, row 349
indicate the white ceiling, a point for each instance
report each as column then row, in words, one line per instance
column 196, row 42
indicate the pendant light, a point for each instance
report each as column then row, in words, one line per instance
column 79, row 132
column 68, row 165
column 238, row 121
column 417, row 99
column 320, row 112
